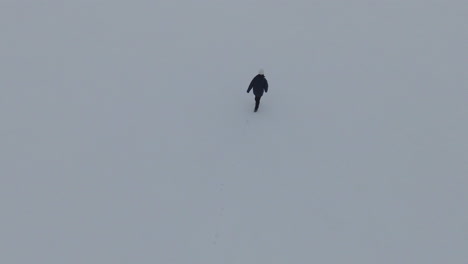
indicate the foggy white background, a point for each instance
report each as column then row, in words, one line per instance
column 127, row 136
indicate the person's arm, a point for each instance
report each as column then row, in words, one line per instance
column 266, row 86
column 251, row 85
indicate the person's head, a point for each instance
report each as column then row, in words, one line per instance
column 261, row 72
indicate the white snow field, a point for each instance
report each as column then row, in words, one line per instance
column 127, row 135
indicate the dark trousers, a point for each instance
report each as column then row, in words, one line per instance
column 257, row 102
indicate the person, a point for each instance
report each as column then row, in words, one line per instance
column 259, row 84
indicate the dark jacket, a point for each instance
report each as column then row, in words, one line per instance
column 259, row 84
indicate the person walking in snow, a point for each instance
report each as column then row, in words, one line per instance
column 259, row 84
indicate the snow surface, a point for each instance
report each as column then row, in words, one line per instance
column 127, row 135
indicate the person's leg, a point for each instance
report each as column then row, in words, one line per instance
column 257, row 102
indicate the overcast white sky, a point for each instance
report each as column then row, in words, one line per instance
column 126, row 134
